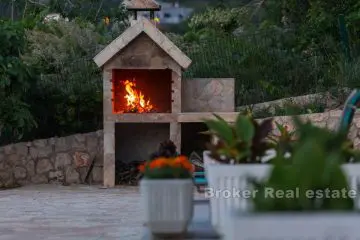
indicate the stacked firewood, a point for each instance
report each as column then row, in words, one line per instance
column 128, row 173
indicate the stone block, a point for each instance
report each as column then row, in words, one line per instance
column 40, row 152
column 332, row 124
column 80, row 138
column 334, row 113
column 82, row 173
column 208, row 95
column 30, row 168
column 72, row 176
column 356, row 122
column 2, row 160
column 43, row 166
column 81, row 159
column 356, row 142
column 100, row 133
column 63, row 144
column 13, row 159
column 9, row 149
column 45, row 151
column 40, row 143
column 20, row 173
column 97, row 175
column 92, row 142
column 99, row 159
column 78, row 142
column 353, row 132
column 39, row 179
column 56, row 176
column 109, row 170
column 21, row 149
column 317, row 117
column 109, row 143
column 5, row 175
column 62, row 159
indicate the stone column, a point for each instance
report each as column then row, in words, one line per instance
column 176, row 90
column 109, row 132
column 175, row 128
column 175, row 134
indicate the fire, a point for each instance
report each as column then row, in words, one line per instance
column 135, row 99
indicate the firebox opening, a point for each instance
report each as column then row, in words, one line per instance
column 141, row 90
column 193, row 143
column 134, row 142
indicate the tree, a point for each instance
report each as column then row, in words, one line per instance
column 16, row 80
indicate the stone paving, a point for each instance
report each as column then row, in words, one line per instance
column 48, row 212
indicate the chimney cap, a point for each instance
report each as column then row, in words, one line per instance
column 142, row 5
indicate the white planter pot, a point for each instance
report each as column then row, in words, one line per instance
column 228, row 188
column 352, row 171
column 208, row 161
column 292, row 225
column 232, row 224
column 168, row 204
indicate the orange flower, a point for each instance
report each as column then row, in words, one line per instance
column 178, row 162
column 181, row 159
column 158, row 163
column 142, row 168
column 184, row 162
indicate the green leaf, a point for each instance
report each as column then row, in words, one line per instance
column 221, row 129
column 244, row 128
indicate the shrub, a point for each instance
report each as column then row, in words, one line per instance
column 16, row 80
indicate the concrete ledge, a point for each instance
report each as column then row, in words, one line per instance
column 169, row 117
column 143, row 118
column 201, row 116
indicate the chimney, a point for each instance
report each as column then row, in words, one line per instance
column 136, row 6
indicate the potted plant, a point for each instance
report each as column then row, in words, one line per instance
column 315, row 193
column 167, row 194
column 282, row 140
column 239, row 149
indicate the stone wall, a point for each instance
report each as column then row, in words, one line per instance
column 66, row 160
column 62, row 160
column 329, row 120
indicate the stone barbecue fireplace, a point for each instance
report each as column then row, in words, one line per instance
column 145, row 99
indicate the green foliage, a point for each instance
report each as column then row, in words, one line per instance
column 243, row 142
column 316, row 168
column 68, row 97
column 48, row 76
column 16, row 80
column 265, row 66
column 225, row 20
column 283, row 141
column 289, row 109
column 278, row 49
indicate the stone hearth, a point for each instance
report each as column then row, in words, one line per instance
column 139, row 52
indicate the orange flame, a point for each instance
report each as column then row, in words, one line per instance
column 135, row 99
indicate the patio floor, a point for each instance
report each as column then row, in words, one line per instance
column 50, row 212
column 71, row 213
